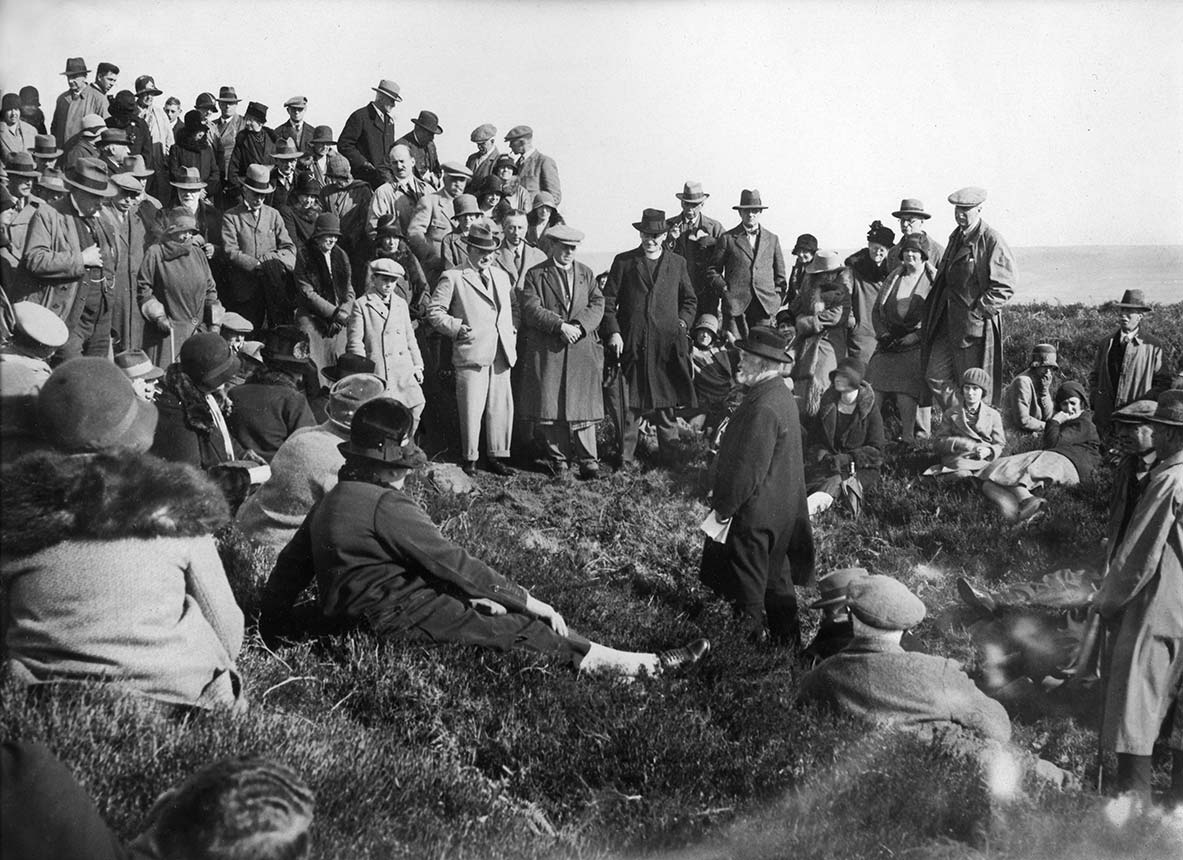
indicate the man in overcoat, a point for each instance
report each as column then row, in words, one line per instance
column 79, row 100
column 962, row 317
column 695, row 236
column 649, row 306
column 750, row 270
column 296, row 128
column 432, row 220
column 260, row 256
column 759, row 490
column 1129, row 364
column 563, row 362
column 369, row 133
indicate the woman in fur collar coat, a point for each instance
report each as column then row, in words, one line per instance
column 110, row 569
column 845, row 439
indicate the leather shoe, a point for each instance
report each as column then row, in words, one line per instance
column 687, row 655
column 498, row 467
column 589, row 470
column 468, row 467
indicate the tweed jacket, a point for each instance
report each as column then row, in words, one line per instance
column 248, row 237
column 1143, row 374
column 744, row 274
column 53, row 256
column 529, row 255
column 539, row 172
column 223, row 136
column 461, row 298
column 481, row 166
column 69, row 111
column 1024, row 407
column 381, row 330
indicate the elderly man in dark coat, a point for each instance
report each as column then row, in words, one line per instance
column 369, row 134
column 649, row 307
column 562, row 359
column 749, row 270
column 963, row 317
column 695, row 236
column 759, row 494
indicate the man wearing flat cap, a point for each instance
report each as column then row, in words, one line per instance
column 759, row 492
column 420, row 140
column 79, row 99
column 1129, row 364
column 695, row 236
column 134, row 225
column 369, row 134
column 481, row 162
column 432, row 219
column 536, row 172
column 912, row 216
column 962, row 326
column 294, row 127
column 749, row 283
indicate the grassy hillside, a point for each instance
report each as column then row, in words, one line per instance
column 454, row 752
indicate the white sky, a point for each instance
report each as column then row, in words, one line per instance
column 1069, row 113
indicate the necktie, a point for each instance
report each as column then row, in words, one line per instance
column 521, row 161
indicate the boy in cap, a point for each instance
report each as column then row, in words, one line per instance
column 24, row 368
column 144, row 375
column 1129, row 363
column 295, row 127
column 235, row 328
column 1027, row 402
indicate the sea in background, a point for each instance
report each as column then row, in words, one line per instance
column 1084, row 274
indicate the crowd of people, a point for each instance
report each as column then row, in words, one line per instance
column 209, row 319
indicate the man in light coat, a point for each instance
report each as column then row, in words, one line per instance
column 79, row 99
column 477, row 307
column 750, row 270
column 22, row 174
column 432, row 220
column 536, row 172
column 1129, row 363
column 399, row 195
column 260, row 256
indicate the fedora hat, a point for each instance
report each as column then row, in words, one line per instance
column 348, row 363
column 805, row 242
column 256, row 110
column 20, row 163
column 187, row 179
column 146, row 85
column 352, row 389
column 45, row 146
column 652, row 221
column 388, row 88
column 832, row 587
column 428, row 121
column 692, row 193
column 749, row 198
column 1134, row 300
column 127, row 183
column 113, row 136
column 381, row 432
column 327, row 224
column 910, row 207
column 306, row 183
column 75, row 66
column 135, row 364
column 824, row 261
column 258, row 178
column 323, row 134
column 285, row 150
column 90, row 175
column 134, row 164
column 1170, row 408
column 1138, row 412
column 767, row 343
column 52, row 180
column 465, row 204
column 482, row 238
column 1044, row 355
column 227, row 95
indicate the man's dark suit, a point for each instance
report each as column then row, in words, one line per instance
column 366, row 141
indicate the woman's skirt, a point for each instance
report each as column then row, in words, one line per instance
column 897, row 373
column 1032, row 470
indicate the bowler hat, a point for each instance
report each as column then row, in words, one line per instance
column 854, row 370
column 93, row 125
column 824, row 261
column 452, row 168
column 428, row 121
column 805, row 242
column 381, row 432
column 564, row 234
column 833, row 586
column 910, row 207
column 134, row 164
column 337, row 167
column 236, row 323
column 52, row 180
column 11, row 101
column 135, row 364
column 348, row 363
column 1044, row 355
column 207, row 359
column 1170, row 408
column 227, row 95
column 124, row 104
column 482, row 238
column 296, row 101
column 45, row 146
column 306, row 183
column 885, row 603
column 89, row 405
column 258, row 178
column 485, row 131
column 187, row 179
column 180, row 220
column 710, row 322
column 39, row 324
column 692, row 193
column 980, row 378
column 388, row 88
column 90, row 175
column 75, row 66
column 504, row 161
column 30, row 97
column 386, row 268
column 1133, row 300
column 465, row 204
column 327, row 224
column 256, row 110
column 969, row 196
column 351, row 390
column 127, row 183
column 20, row 163
column 323, row 134
column 913, row 243
column 287, row 345
column 519, row 131
column 285, row 150
column 652, row 221
column 767, row 343
column 205, row 101
column 113, row 135
column 146, row 85
column 750, row 199
column 1138, row 412
column 388, row 226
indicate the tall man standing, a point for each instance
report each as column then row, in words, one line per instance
column 369, row 133
column 481, row 162
column 432, row 219
column 962, row 317
column 76, row 102
column 649, row 307
column 260, row 256
column 750, row 270
column 295, row 128
column 695, row 236
column 759, row 492
column 224, row 131
column 536, row 172
column 912, row 216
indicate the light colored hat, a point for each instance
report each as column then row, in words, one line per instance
column 387, row 267
column 692, row 193
column 910, row 207
column 236, row 323
column 565, row 234
column 453, row 168
column 977, row 376
column 971, row 195
column 135, row 364
column 38, row 323
column 884, row 603
column 485, row 131
column 349, row 393
column 519, row 131
column 388, row 88
column 93, row 125
column 296, row 101
column 128, row 183
column 258, row 178
column 134, row 164
column 824, row 261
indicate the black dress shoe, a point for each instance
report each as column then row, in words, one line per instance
column 498, row 467
column 688, row 654
column 469, row 467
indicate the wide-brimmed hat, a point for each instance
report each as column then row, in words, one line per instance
column 348, row 363
column 306, row 183
column 227, row 95
column 287, row 346
column 1170, row 408
column 824, row 261
column 75, row 66
column 652, row 221
column 351, row 390
column 381, row 432
column 884, row 603
column 1044, row 355
column 187, row 179
column 853, row 369
column 45, row 146
column 805, row 242
column 388, row 226
column 519, row 131
column 766, row 342
column 564, row 235
column 134, row 164
column 52, row 180
column 692, row 193
column 504, row 161
column 323, row 134
column 1138, row 412
column 90, row 175
column 388, row 88
column 465, row 204
column 114, row 135
column 749, row 198
column 135, row 364
column 913, row 243
column 285, row 150
column 39, row 324
column 89, row 405
column 124, row 104
column 256, row 110
column 258, row 178
column 146, row 85
column 910, row 207
column 20, row 163
column 710, row 322
column 428, row 121
column 969, row 196
column 484, row 131
column 327, row 224
column 387, row 268
column 236, row 323
column 482, row 238
column 1134, row 300
column 93, row 125
column 832, row 587
column 207, row 359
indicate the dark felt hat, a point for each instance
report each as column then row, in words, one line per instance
column 351, row 390
column 90, row 175
column 205, row 101
column 228, row 95
column 194, row 121
column 913, row 243
column 124, row 104
column 388, row 226
column 465, row 204
column 1134, row 300
column 381, row 432
column 30, row 96
column 20, row 163
column 1072, row 388
column 910, row 207
column 805, row 242
column 482, row 238
column 348, row 364
column 766, row 342
column 306, row 183
column 114, row 135
column 504, row 161
column 885, row 603
column 45, row 146
column 285, row 150
column 327, row 224
column 749, row 198
column 75, row 66
column 881, row 235
column 89, row 405
column 652, row 221
column 832, row 587
column 146, row 85
column 256, row 110
column 428, row 121
column 1170, row 408
column 323, row 134
column 11, row 101
column 287, row 346
column 207, row 359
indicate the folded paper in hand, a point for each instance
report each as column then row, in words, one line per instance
column 715, row 528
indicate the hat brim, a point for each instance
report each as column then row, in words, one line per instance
column 27, row 174
column 828, row 601
column 151, row 92
column 1039, row 364
column 483, row 246
column 906, row 213
column 433, row 129
column 57, row 153
column 764, row 351
column 265, row 190
column 188, row 186
column 110, row 191
column 412, row 456
column 742, row 208
column 286, row 156
column 1125, row 306
column 649, row 227
column 222, row 101
column 388, row 93
column 320, row 234
column 154, row 373
column 687, row 198
column 1169, row 422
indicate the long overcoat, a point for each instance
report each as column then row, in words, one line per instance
column 561, row 381
column 1143, row 373
column 380, row 329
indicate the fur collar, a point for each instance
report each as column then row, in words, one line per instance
column 50, row 498
column 866, row 268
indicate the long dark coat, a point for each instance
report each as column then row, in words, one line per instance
column 646, row 314
column 830, row 455
column 366, row 141
column 187, row 152
column 560, row 381
column 698, row 248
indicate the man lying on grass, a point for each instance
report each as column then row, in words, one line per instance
column 378, row 559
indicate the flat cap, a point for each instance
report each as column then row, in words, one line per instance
column 38, row 323
column 566, row 235
column 386, row 266
column 93, row 123
column 455, row 168
column 236, row 323
column 296, row 101
column 971, row 195
column 884, row 603
column 486, row 131
column 519, row 131
column 1138, row 412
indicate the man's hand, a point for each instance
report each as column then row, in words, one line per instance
column 418, row 374
column 464, row 335
column 545, row 612
column 983, row 452
column 92, row 257
column 164, row 324
column 208, row 247
column 616, row 344
column 485, row 606
column 571, row 332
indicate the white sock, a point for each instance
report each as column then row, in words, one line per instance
column 608, row 660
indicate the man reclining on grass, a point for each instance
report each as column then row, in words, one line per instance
column 379, row 559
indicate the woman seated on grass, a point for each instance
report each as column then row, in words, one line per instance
column 1071, row 453
column 971, row 433
column 379, row 560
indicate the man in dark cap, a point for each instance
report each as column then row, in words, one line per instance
column 912, row 216
column 1129, row 364
column 420, row 140
column 113, row 148
column 369, row 133
column 79, row 99
column 750, row 280
column 695, row 235
column 295, row 127
column 481, row 162
column 759, row 540
column 16, row 135
column 536, row 172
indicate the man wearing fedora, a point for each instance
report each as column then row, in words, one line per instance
column 113, row 148
column 295, row 128
column 962, row 326
column 22, row 175
column 399, row 194
column 482, row 161
column 260, row 255
column 750, row 270
column 224, row 131
column 1141, row 600
column 134, row 225
column 477, row 308
column 85, row 142
column 283, row 171
column 912, row 216
column 1129, row 364
column 420, row 140
column 16, row 135
column 79, row 99
column 432, row 219
column 536, row 172
column 46, row 152
column 694, row 236
column 465, row 214
column 369, row 133
column 71, row 254
column 649, row 306
column 759, row 493
column 1027, row 402
column 189, row 193
column 255, row 144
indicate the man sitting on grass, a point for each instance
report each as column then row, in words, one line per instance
column 379, row 559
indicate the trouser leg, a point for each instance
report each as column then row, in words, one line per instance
column 472, row 390
column 908, row 406
column 1176, row 795
column 780, row 605
column 940, row 372
column 667, row 429
column 583, row 443
column 499, row 408
column 1134, row 774
column 555, row 440
column 629, row 434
